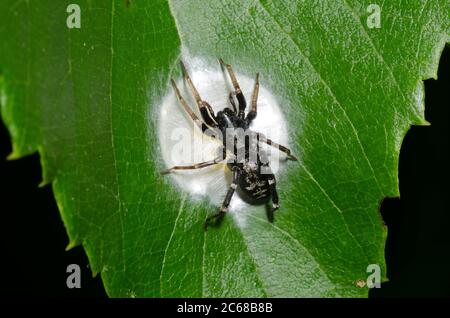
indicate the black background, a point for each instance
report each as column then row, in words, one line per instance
column 33, row 238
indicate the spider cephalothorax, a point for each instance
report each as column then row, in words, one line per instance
column 247, row 161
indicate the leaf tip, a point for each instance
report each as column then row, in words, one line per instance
column 71, row 245
column 43, row 183
column 13, row 156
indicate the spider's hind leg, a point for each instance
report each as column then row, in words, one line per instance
column 217, row 218
column 274, row 195
column 273, row 190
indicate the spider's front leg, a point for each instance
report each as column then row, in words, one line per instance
column 253, row 112
column 205, row 109
column 231, row 99
column 217, row 218
column 237, row 89
column 200, row 124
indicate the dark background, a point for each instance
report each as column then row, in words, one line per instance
column 33, row 238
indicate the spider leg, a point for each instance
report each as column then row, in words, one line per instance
column 195, row 166
column 274, row 195
column 240, row 97
column 226, row 202
column 272, row 182
column 253, row 112
column 200, row 124
column 230, row 97
column 282, row 148
column 273, row 189
column 205, row 109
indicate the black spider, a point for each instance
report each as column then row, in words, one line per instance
column 247, row 159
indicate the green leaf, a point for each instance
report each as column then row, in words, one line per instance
column 86, row 99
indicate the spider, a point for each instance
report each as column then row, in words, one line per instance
column 247, row 170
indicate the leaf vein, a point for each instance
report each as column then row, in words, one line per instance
column 170, row 240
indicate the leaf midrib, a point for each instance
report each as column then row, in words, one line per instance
column 116, row 170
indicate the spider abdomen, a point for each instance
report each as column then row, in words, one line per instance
column 254, row 184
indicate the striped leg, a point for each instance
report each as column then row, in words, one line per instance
column 188, row 110
column 195, row 166
column 205, row 109
column 273, row 190
column 230, row 97
column 226, row 202
column 237, row 89
column 253, row 112
column 284, row 149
